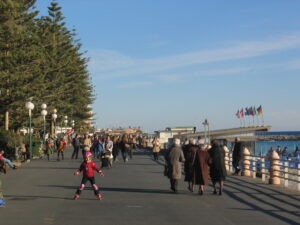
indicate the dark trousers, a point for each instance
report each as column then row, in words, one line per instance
column 75, row 152
column 174, row 184
column 62, row 154
column 235, row 165
column 155, row 155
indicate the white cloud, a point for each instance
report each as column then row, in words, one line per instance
column 112, row 64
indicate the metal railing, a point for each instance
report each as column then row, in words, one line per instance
column 261, row 168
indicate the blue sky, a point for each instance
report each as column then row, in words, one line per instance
column 163, row 63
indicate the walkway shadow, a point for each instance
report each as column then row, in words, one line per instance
column 33, row 197
column 113, row 189
column 261, row 196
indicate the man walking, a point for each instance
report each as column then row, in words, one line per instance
column 236, row 155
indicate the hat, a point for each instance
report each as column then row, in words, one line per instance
column 88, row 154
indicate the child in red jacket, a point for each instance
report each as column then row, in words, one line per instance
column 87, row 167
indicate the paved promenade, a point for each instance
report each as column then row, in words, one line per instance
column 137, row 193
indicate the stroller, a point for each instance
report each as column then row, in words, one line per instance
column 105, row 159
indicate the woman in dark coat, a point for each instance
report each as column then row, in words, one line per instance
column 217, row 167
column 189, row 153
column 201, row 163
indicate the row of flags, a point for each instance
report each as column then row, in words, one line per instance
column 249, row 111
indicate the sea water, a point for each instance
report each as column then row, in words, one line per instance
column 262, row 147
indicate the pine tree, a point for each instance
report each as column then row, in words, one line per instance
column 66, row 78
column 18, row 59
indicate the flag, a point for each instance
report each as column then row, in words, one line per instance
column 254, row 111
column 242, row 113
column 246, row 112
column 250, row 112
column 259, row 110
column 238, row 114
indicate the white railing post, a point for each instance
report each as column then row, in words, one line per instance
column 263, row 173
column 226, row 158
column 298, row 179
column 286, row 174
column 230, row 162
column 254, row 167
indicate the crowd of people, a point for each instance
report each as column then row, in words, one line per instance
column 199, row 162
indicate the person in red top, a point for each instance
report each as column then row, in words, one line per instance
column 61, row 148
column 87, row 168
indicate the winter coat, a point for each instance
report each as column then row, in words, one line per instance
column 201, row 163
column 175, row 158
column 217, row 167
column 189, row 153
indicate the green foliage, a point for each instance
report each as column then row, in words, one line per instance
column 10, row 140
column 41, row 59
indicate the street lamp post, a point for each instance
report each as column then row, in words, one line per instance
column 30, row 106
column 66, row 121
column 54, row 116
column 44, row 114
column 73, row 124
column 206, row 130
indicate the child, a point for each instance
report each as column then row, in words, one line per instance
column 88, row 167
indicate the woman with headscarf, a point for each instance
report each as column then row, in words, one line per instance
column 200, row 166
column 217, row 166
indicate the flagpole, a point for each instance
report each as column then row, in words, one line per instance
column 263, row 121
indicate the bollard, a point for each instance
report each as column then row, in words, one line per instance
column 226, row 158
column 246, row 162
column 274, row 168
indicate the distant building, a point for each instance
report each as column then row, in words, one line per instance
column 133, row 131
column 170, row 132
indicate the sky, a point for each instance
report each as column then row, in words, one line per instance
column 169, row 63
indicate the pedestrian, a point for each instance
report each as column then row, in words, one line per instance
column 5, row 161
column 87, row 168
column 108, row 150
column 201, row 164
column 86, row 144
column 99, row 148
column 49, row 147
column 297, row 152
column 23, row 152
column 155, row 148
column 217, row 167
column 144, row 143
column 189, row 153
column 2, row 202
column 174, row 160
column 116, row 149
column 125, row 146
column 236, row 155
column 130, row 150
column 76, row 147
column 61, row 148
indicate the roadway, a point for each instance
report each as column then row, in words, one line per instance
column 137, row 193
